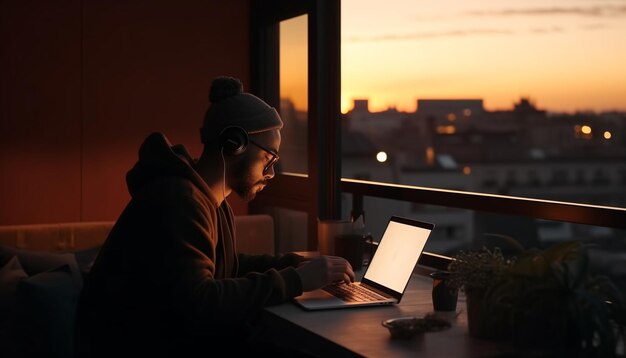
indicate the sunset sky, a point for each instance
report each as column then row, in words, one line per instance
column 565, row 55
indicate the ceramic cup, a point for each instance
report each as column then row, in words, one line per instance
column 444, row 299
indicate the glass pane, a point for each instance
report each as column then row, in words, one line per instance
column 294, row 94
column 460, row 229
column 517, row 98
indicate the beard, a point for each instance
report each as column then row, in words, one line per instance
column 246, row 189
column 245, row 184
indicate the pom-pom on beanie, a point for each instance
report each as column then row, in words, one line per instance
column 231, row 106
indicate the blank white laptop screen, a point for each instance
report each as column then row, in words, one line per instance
column 387, row 274
column 396, row 255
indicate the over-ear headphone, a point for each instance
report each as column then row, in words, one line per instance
column 233, row 140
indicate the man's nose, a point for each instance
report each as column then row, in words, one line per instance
column 270, row 173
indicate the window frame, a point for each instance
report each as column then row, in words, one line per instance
column 319, row 194
column 316, row 193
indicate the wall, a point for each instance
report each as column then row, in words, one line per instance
column 83, row 82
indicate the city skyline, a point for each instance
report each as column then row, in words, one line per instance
column 566, row 55
column 510, row 107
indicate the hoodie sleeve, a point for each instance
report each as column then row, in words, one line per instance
column 262, row 263
column 190, row 246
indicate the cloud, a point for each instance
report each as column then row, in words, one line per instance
column 429, row 35
column 593, row 27
column 591, row 11
column 546, row 30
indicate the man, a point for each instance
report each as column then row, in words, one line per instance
column 168, row 281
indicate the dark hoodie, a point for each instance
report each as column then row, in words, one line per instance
column 168, row 280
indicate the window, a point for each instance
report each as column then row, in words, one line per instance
column 480, row 141
column 529, row 96
column 294, row 94
column 501, row 86
column 295, row 68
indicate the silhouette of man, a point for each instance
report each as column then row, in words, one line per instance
column 168, row 280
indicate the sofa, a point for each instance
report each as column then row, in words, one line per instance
column 41, row 274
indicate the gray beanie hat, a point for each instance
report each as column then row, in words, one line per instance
column 230, row 106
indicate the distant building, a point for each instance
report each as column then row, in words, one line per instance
column 457, row 144
column 444, row 107
column 294, row 138
column 360, row 119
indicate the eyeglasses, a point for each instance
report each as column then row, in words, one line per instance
column 272, row 161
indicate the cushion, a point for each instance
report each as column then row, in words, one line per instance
column 10, row 275
column 86, row 258
column 35, row 262
column 48, row 237
column 45, row 313
column 44, row 303
column 90, row 234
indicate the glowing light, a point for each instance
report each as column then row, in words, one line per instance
column 467, row 170
column 585, row 129
column 381, row 157
column 607, row 135
column 430, row 156
column 467, row 112
column 451, row 117
column 446, row 129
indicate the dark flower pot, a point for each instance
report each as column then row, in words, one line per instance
column 486, row 322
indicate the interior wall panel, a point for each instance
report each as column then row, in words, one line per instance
column 40, row 113
column 84, row 82
column 148, row 67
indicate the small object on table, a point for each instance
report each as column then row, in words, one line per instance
column 407, row 327
column 444, row 297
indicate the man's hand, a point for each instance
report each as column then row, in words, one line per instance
column 323, row 270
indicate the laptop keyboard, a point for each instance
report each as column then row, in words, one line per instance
column 352, row 293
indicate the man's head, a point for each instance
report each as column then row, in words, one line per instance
column 246, row 130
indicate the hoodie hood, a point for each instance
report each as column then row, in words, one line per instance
column 158, row 159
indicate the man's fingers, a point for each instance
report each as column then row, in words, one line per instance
column 339, row 269
column 347, row 278
column 351, row 274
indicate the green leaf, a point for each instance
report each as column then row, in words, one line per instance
column 531, row 264
column 508, row 240
column 573, row 260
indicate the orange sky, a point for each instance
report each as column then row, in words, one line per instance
column 565, row 55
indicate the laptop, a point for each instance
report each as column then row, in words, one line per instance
column 387, row 274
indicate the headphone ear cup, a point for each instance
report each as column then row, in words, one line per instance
column 234, row 140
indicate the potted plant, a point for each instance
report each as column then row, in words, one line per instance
column 474, row 272
column 545, row 302
column 556, row 306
